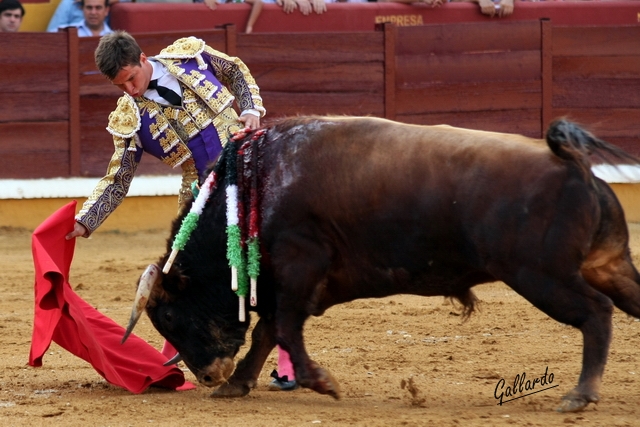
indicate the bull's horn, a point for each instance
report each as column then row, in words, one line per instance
column 148, row 280
column 175, row 359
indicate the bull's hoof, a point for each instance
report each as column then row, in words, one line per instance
column 328, row 384
column 229, row 390
column 576, row 402
column 333, row 386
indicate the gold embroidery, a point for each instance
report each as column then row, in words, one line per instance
column 148, row 106
column 189, row 175
column 178, row 156
column 194, row 78
column 191, row 103
column 206, row 90
column 172, row 67
column 183, row 117
column 171, row 113
column 191, row 129
column 169, row 140
column 185, row 125
column 186, row 47
column 162, row 122
column 226, row 123
column 124, row 121
column 222, row 100
column 197, row 109
column 157, row 128
column 202, row 119
column 188, row 97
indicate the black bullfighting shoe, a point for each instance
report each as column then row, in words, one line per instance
column 282, row 383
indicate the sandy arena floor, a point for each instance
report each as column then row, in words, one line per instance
column 449, row 368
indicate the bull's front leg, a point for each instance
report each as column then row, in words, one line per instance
column 245, row 377
column 309, row 374
column 301, row 262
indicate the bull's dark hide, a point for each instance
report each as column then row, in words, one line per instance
column 365, row 208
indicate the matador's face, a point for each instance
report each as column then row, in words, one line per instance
column 134, row 79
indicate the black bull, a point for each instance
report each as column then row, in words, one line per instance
column 365, row 208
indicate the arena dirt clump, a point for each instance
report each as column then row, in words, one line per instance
column 416, row 395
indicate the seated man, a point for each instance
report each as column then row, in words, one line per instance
column 11, row 14
column 68, row 14
column 94, row 23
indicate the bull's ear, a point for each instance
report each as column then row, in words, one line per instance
column 149, row 279
column 183, row 283
column 173, row 283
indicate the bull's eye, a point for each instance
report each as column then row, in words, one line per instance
column 168, row 317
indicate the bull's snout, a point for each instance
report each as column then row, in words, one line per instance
column 217, row 373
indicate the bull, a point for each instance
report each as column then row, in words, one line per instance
column 366, row 208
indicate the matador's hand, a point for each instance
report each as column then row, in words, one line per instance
column 250, row 121
column 78, row 230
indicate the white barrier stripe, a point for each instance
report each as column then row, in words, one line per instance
column 168, row 185
column 143, row 185
column 620, row 174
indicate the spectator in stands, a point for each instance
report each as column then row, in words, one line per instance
column 306, row 6
column 256, row 8
column 94, row 23
column 11, row 14
column 432, row 3
column 164, row 1
column 69, row 13
column 499, row 7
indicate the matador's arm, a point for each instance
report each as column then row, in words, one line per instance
column 111, row 189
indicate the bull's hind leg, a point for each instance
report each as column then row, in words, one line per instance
column 614, row 275
column 608, row 265
column 245, row 376
column 574, row 302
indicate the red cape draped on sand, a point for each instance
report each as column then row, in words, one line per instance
column 62, row 316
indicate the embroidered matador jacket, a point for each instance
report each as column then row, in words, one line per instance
column 189, row 136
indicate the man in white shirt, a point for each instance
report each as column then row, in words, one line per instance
column 95, row 14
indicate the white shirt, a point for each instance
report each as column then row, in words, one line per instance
column 84, row 31
column 165, row 78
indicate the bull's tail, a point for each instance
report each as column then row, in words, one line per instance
column 569, row 141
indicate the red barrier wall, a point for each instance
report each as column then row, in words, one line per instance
column 511, row 76
column 157, row 17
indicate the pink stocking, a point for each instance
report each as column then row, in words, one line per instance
column 285, row 367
